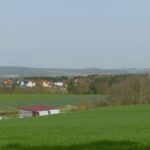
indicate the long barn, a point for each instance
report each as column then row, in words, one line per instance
column 31, row 111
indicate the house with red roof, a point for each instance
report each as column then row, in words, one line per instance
column 32, row 111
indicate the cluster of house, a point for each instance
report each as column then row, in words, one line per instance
column 33, row 83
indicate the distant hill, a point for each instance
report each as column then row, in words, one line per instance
column 8, row 72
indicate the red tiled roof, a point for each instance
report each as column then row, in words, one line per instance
column 36, row 108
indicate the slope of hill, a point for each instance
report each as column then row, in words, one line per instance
column 25, row 71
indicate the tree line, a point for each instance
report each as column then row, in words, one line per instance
column 121, row 88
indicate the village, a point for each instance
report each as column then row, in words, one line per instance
column 32, row 83
column 50, row 85
column 27, row 85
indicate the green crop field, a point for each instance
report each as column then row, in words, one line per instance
column 111, row 128
column 11, row 101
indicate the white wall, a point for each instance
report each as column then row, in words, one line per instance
column 25, row 113
column 49, row 112
column 59, row 84
column 54, row 111
column 43, row 113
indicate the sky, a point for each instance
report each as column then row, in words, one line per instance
column 103, row 34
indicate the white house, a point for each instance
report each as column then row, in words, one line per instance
column 46, row 84
column 31, row 84
column 30, row 111
column 22, row 83
column 60, row 84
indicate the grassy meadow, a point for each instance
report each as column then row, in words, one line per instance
column 111, row 128
column 11, row 101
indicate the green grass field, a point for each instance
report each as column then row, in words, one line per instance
column 111, row 128
column 11, row 101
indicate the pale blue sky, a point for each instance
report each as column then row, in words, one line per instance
column 75, row 33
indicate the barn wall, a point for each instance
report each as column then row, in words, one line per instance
column 25, row 113
column 54, row 111
column 43, row 113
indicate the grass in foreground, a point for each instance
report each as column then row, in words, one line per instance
column 113, row 128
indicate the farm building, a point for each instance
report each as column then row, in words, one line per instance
column 31, row 111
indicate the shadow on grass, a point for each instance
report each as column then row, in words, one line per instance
column 100, row 145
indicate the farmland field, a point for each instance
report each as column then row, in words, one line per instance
column 111, row 128
column 11, row 101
